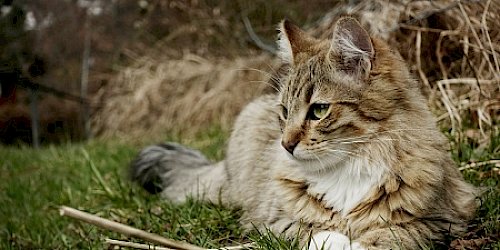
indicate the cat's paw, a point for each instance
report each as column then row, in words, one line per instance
column 329, row 240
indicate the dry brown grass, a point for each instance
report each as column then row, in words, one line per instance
column 453, row 47
column 183, row 96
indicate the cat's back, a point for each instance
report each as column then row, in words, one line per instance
column 249, row 149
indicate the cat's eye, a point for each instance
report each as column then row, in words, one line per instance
column 284, row 112
column 318, row 111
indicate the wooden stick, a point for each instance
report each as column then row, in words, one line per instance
column 134, row 245
column 124, row 229
column 146, row 246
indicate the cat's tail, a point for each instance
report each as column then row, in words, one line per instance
column 178, row 172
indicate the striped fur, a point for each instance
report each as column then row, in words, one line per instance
column 374, row 170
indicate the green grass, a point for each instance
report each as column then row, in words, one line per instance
column 487, row 222
column 92, row 177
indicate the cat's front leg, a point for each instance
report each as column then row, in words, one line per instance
column 330, row 240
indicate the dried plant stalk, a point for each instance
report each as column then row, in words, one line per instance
column 124, row 229
column 134, row 245
column 146, row 246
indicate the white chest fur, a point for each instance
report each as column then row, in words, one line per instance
column 346, row 185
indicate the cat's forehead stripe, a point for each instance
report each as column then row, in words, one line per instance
column 302, row 83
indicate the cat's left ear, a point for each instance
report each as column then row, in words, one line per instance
column 352, row 47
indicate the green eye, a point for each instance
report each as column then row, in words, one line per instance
column 318, row 111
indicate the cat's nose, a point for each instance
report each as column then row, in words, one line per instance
column 289, row 145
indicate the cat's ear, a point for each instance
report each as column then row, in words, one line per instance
column 292, row 41
column 352, row 47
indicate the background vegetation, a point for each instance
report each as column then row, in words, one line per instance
column 181, row 71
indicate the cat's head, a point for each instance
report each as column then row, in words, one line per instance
column 339, row 92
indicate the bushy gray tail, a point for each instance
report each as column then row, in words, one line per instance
column 152, row 166
column 177, row 172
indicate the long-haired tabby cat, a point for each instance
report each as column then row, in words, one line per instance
column 347, row 152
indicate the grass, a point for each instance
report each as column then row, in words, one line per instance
column 487, row 221
column 92, row 177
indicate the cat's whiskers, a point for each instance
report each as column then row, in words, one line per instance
column 368, row 136
column 266, row 83
column 272, row 70
column 370, row 140
column 402, row 130
column 349, row 154
column 323, row 166
column 354, row 155
column 338, row 151
column 329, row 162
column 265, row 73
column 272, row 78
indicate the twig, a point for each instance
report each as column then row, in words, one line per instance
column 146, row 246
column 472, row 81
column 449, row 107
column 439, row 56
column 134, row 245
column 467, row 43
column 418, row 43
column 244, row 246
column 124, row 229
column 478, row 164
column 419, row 28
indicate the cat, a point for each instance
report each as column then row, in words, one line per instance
column 346, row 155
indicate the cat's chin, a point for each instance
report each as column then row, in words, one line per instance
column 311, row 163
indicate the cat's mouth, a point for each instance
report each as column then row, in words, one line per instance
column 314, row 161
column 298, row 157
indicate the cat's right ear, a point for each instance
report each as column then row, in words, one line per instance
column 292, row 42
